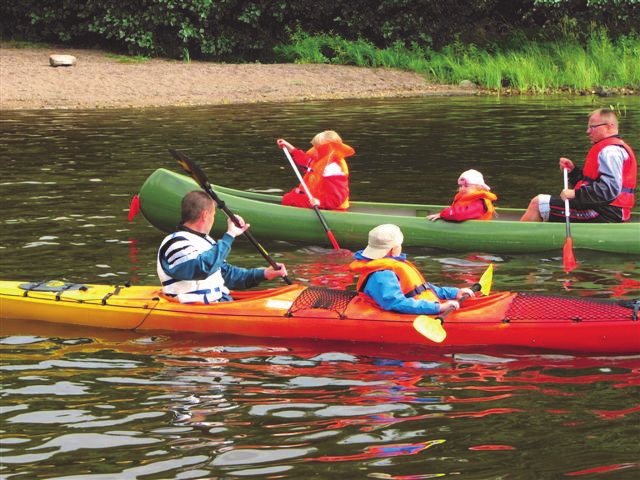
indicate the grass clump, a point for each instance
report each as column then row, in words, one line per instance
column 127, row 58
column 21, row 44
column 523, row 66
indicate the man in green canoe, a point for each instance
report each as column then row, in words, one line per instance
column 604, row 189
column 192, row 266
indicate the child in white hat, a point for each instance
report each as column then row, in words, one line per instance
column 394, row 283
column 474, row 201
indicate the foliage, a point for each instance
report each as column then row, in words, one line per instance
column 526, row 67
column 172, row 28
column 249, row 29
column 578, row 17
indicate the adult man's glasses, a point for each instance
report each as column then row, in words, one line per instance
column 593, row 127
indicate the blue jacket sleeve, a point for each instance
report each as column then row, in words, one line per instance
column 237, row 278
column 446, row 293
column 383, row 287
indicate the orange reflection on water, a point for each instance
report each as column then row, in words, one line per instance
column 391, row 450
column 332, row 272
column 619, row 414
column 492, row 447
column 604, row 469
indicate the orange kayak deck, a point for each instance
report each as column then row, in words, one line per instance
column 503, row 319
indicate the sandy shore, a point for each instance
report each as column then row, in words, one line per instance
column 27, row 81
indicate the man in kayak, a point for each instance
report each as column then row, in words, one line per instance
column 388, row 279
column 192, row 266
column 474, row 201
column 327, row 173
column 603, row 190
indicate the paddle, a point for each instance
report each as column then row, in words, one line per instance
column 568, row 260
column 432, row 328
column 198, row 175
column 315, row 207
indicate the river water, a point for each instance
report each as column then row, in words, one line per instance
column 96, row 404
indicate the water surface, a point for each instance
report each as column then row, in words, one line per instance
column 94, row 404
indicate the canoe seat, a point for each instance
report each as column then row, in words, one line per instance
column 322, row 298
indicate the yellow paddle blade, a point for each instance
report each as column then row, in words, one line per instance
column 486, row 279
column 430, row 327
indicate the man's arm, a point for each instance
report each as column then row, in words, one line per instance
column 238, row 278
column 606, row 188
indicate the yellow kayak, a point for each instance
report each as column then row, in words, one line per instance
column 505, row 320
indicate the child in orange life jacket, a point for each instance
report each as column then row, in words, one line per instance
column 473, row 201
column 327, row 173
column 392, row 282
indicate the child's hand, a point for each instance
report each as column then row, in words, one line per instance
column 282, row 143
column 465, row 291
column 453, row 304
column 433, row 217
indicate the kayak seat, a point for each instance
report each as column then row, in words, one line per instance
column 322, row 298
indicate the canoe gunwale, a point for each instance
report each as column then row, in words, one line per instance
column 161, row 193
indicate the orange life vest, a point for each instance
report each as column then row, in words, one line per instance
column 323, row 155
column 412, row 283
column 591, row 170
column 462, row 199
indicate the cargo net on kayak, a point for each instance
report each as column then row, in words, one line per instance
column 323, row 298
column 531, row 307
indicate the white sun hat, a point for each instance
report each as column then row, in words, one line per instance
column 472, row 177
column 382, row 239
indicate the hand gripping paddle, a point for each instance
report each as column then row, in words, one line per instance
column 198, row 175
column 432, row 327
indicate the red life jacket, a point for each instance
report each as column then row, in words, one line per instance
column 591, row 171
column 323, row 155
column 464, row 199
column 412, row 283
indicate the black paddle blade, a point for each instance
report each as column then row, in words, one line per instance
column 198, row 175
column 190, row 167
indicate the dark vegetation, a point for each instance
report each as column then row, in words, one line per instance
column 434, row 37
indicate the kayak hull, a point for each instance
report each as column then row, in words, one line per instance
column 162, row 192
column 504, row 320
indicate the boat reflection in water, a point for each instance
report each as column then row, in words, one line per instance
column 95, row 403
column 211, row 406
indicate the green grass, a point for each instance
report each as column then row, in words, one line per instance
column 127, row 58
column 523, row 67
column 20, row 44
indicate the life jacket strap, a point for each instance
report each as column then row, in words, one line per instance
column 417, row 291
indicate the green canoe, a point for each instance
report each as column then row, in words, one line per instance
column 163, row 190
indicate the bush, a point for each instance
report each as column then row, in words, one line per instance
column 249, row 29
